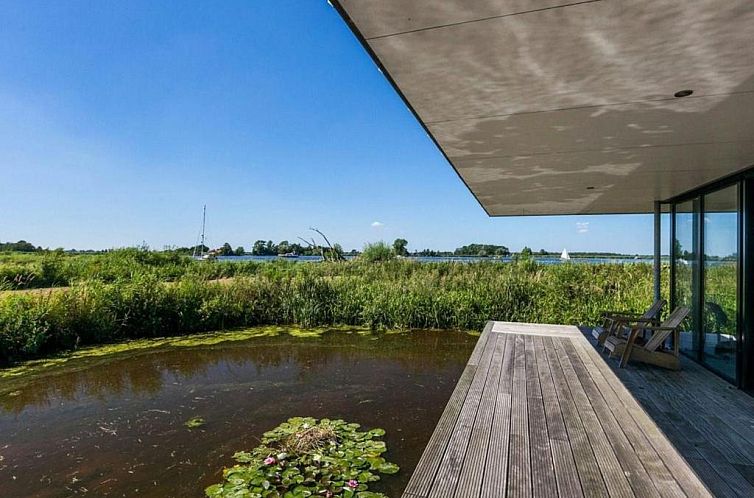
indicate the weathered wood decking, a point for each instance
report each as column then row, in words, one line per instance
column 709, row 421
column 537, row 412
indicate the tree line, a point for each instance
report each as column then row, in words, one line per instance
column 20, row 246
column 399, row 248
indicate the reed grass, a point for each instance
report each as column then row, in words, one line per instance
column 388, row 295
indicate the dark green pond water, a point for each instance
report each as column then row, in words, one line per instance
column 114, row 425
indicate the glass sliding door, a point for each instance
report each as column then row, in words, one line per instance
column 720, row 286
column 685, row 278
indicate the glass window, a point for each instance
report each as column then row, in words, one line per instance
column 686, row 271
column 719, row 313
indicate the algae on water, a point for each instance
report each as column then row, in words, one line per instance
column 84, row 358
column 194, row 422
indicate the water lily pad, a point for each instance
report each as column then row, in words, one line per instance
column 308, row 457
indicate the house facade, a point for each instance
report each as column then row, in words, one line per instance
column 552, row 107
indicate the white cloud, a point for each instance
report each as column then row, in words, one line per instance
column 377, row 224
column 582, row 227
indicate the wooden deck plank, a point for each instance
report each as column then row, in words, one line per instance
column 472, row 471
column 422, row 478
column 674, row 462
column 615, row 479
column 638, row 458
column 520, row 456
column 495, row 480
column 713, row 480
column 618, row 429
column 727, row 472
column 567, row 478
column 448, row 472
column 592, row 483
column 704, row 443
column 725, row 425
column 481, row 345
column 544, row 483
column 653, row 407
column 708, row 464
column 538, row 413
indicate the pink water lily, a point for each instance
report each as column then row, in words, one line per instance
column 353, row 484
column 270, row 461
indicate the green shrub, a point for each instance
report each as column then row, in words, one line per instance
column 377, row 251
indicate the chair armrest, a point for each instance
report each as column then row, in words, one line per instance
column 629, row 318
column 655, row 327
column 619, row 313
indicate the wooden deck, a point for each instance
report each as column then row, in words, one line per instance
column 537, row 412
column 709, row 421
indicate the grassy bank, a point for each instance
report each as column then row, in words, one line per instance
column 394, row 294
column 57, row 269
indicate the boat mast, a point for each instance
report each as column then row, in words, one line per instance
column 204, row 221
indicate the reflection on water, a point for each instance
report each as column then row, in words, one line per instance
column 114, row 426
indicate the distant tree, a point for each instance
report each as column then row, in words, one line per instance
column 226, row 250
column 502, row 251
column 260, row 248
column 240, row 251
column 542, row 252
column 399, row 247
column 20, row 246
column 482, row 250
column 338, row 250
column 526, row 251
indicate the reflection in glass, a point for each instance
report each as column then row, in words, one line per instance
column 720, row 280
column 686, row 270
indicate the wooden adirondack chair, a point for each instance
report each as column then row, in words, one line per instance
column 652, row 351
column 613, row 321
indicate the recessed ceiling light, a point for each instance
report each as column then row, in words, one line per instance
column 683, row 93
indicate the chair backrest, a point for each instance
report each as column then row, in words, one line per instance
column 674, row 321
column 654, row 310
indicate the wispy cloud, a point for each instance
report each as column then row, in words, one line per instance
column 582, row 227
column 377, row 224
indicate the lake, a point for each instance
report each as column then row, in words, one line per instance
column 113, row 425
column 457, row 259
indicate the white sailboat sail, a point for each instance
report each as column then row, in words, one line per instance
column 564, row 255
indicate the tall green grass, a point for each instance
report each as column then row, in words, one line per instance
column 392, row 294
column 57, row 269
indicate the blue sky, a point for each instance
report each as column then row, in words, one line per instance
column 119, row 120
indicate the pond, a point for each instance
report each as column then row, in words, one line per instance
column 113, row 423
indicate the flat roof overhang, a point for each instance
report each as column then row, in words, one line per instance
column 548, row 107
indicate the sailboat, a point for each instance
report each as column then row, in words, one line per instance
column 201, row 256
column 564, row 255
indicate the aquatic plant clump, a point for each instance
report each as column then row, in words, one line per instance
column 194, row 422
column 308, row 457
